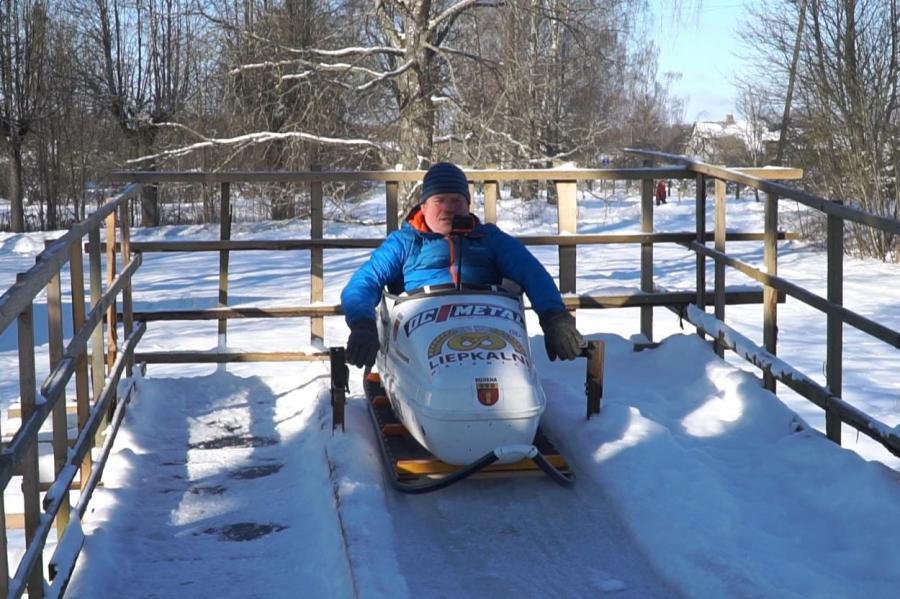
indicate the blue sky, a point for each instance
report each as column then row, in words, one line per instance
column 701, row 46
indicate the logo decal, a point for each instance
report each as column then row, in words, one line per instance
column 475, row 344
column 448, row 311
column 487, row 390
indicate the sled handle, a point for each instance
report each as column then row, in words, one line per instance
column 340, row 385
column 593, row 384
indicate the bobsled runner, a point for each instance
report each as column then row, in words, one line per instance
column 456, row 393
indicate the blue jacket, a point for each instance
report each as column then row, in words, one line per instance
column 414, row 257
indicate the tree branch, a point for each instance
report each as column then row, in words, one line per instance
column 243, row 141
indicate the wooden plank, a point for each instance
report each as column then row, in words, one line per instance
column 127, row 305
column 30, row 476
column 862, row 323
column 189, row 357
column 572, row 302
column 719, row 282
column 316, row 262
column 306, row 244
column 835, row 333
column 567, row 223
column 82, row 393
column 110, row 277
column 770, row 294
column 608, row 174
column 491, row 193
column 4, row 547
column 477, row 175
column 224, row 235
column 391, row 196
column 886, row 224
column 394, row 429
column 15, row 410
column 647, row 256
column 423, row 467
column 60, row 420
column 701, row 237
column 98, row 367
column 249, row 312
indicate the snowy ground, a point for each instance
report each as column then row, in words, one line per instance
column 692, row 481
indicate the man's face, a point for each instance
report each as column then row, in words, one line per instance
column 440, row 209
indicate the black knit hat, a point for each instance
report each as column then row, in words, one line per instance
column 445, row 177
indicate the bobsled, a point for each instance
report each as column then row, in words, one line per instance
column 455, row 391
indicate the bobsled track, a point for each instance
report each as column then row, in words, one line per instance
column 695, row 482
column 216, row 507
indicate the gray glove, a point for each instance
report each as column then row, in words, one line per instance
column 362, row 346
column 561, row 339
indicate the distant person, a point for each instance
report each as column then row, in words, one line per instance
column 660, row 192
column 423, row 252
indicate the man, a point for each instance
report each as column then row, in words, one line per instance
column 661, row 193
column 424, row 253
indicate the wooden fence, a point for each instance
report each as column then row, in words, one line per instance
column 97, row 366
column 103, row 365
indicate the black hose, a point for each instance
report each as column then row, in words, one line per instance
column 433, row 485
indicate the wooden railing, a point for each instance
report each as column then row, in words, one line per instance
column 77, row 469
column 103, row 365
column 649, row 295
column 828, row 398
column 564, row 180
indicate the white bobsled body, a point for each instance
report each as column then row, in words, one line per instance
column 457, row 369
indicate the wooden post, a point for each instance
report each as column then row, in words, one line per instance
column 567, row 223
column 491, row 191
column 224, row 235
column 770, row 295
column 82, row 392
column 720, row 266
column 4, row 556
column 60, row 424
column 127, row 305
column 30, row 482
column 316, row 263
column 391, row 193
column 700, row 209
column 835, row 335
column 647, row 255
column 111, row 323
column 96, row 280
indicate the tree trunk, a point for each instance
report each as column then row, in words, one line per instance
column 16, row 191
column 416, row 136
column 786, row 117
column 150, row 193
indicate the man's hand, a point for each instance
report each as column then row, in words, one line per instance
column 362, row 346
column 561, row 339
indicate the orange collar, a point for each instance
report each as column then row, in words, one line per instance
column 417, row 221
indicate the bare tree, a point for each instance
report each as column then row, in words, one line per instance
column 140, row 66
column 845, row 115
column 23, row 26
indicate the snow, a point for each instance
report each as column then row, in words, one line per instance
column 693, row 480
